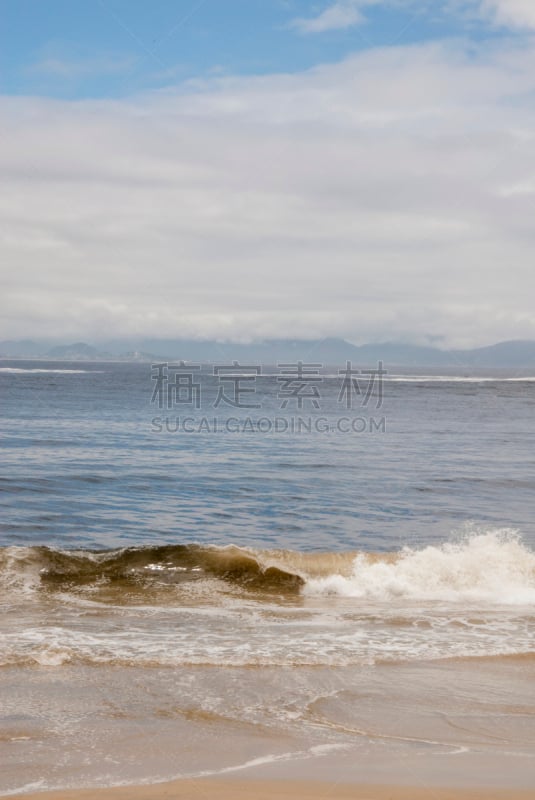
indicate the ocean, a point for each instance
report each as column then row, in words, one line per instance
column 213, row 569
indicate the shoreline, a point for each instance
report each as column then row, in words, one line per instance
column 231, row 789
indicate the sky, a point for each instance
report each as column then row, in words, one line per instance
column 251, row 169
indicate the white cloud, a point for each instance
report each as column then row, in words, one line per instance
column 374, row 199
column 337, row 16
column 511, row 13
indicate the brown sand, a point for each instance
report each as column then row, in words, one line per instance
column 208, row 789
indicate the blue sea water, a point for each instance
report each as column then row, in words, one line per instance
column 85, row 464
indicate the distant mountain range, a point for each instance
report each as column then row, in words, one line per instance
column 330, row 351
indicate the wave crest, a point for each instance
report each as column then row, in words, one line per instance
column 165, row 565
column 493, row 566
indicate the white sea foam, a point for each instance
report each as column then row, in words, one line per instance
column 456, row 379
column 23, row 371
column 19, row 570
column 313, row 752
column 493, row 567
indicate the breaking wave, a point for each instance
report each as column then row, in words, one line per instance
column 491, row 567
column 191, row 604
column 146, row 567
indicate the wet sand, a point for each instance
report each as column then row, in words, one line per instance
column 468, row 724
column 278, row 790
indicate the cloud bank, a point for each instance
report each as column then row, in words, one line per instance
column 387, row 196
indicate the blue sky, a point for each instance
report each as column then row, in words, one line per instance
column 103, row 48
column 251, row 169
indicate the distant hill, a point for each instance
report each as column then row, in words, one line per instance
column 506, row 354
column 406, row 355
column 76, row 352
column 330, row 351
column 25, row 348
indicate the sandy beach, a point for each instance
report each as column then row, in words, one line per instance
column 279, row 790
